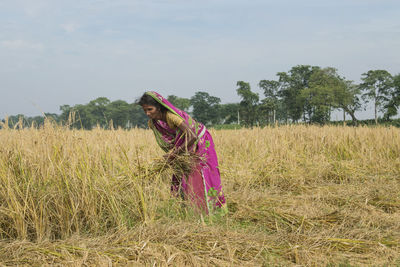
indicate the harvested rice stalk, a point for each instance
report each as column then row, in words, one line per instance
column 181, row 165
column 365, row 245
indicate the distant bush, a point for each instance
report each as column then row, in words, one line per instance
column 371, row 122
column 226, row 127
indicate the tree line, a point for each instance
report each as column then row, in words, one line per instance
column 304, row 94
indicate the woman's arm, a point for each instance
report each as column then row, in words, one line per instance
column 189, row 135
column 190, row 140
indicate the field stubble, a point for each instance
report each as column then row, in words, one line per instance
column 297, row 195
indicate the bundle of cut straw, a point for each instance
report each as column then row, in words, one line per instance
column 181, row 165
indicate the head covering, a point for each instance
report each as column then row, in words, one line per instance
column 166, row 137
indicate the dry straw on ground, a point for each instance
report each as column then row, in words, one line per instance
column 297, row 195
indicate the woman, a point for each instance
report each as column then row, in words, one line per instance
column 176, row 132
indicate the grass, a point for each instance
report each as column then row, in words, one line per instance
column 297, row 195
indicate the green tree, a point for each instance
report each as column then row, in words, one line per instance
column 83, row 117
column 229, row 113
column 21, row 121
column 377, row 85
column 248, row 104
column 205, row 108
column 270, row 103
column 320, row 94
column 15, row 120
column 118, row 112
column 65, row 116
column 180, row 102
column 327, row 91
column 49, row 116
column 136, row 118
column 292, row 84
column 394, row 102
column 96, row 112
column 347, row 97
column 77, row 116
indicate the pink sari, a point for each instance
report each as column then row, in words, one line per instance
column 202, row 187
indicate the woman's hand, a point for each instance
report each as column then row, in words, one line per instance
column 190, row 137
column 190, row 140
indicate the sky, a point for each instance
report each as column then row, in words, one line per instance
column 57, row 52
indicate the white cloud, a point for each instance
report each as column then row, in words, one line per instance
column 70, row 27
column 33, row 8
column 21, row 44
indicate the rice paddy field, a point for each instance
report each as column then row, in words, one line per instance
column 297, row 196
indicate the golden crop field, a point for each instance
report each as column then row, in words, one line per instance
column 297, row 196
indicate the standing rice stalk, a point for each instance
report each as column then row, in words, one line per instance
column 297, row 196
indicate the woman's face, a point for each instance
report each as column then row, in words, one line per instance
column 152, row 112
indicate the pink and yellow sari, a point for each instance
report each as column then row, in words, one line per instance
column 202, row 187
